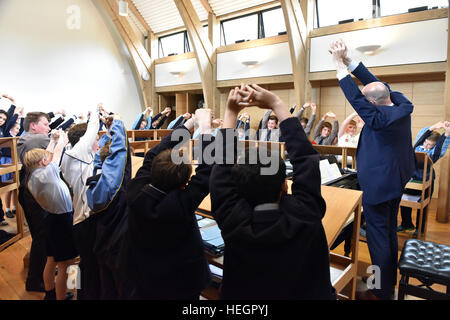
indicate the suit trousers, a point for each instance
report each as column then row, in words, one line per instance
column 84, row 239
column 381, row 232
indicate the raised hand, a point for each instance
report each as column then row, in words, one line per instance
column 338, row 50
column 234, row 98
column 438, row 125
column 63, row 140
column 9, row 97
column 331, row 115
column 117, row 117
column 447, row 128
column 306, row 105
column 256, row 96
column 203, row 117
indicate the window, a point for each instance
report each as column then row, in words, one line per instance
column 401, row 6
column 238, row 29
column 273, row 22
column 331, row 12
column 174, row 44
column 262, row 24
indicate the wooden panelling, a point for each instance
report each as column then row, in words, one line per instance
column 422, row 69
column 253, row 44
column 427, row 96
column 178, row 57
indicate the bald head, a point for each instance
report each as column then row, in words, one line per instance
column 377, row 94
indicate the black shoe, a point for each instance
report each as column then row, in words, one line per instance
column 50, row 295
column 35, row 287
column 9, row 214
column 69, row 296
column 403, row 229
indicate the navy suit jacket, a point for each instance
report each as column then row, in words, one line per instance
column 385, row 157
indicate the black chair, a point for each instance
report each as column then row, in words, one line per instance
column 427, row 262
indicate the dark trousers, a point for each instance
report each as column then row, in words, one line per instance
column 84, row 239
column 109, row 278
column 2, row 213
column 35, row 217
column 381, row 232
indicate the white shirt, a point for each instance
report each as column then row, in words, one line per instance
column 49, row 190
column 346, row 140
column 77, row 166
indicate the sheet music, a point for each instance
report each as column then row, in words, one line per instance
column 329, row 172
column 409, row 197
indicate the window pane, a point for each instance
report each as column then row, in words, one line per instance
column 273, row 22
column 172, row 44
column 330, row 12
column 245, row 28
column 401, row 6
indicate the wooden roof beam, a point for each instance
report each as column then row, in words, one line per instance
column 203, row 48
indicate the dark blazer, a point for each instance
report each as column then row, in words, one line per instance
column 163, row 254
column 280, row 253
column 385, row 157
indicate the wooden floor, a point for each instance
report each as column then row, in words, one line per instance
column 13, row 274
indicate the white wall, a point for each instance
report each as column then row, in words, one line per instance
column 272, row 60
column 189, row 73
column 46, row 65
column 408, row 43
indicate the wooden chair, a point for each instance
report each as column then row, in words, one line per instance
column 344, row 152
column 424, row 187
column 148, row 134
column 138, row 147
column 161, row 133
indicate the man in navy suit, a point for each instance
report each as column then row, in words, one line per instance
column 385, row 160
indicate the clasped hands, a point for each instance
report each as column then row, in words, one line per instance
column 339, row 52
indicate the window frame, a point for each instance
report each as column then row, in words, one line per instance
column 261, row 31
column 186, row 43
column 376, row 12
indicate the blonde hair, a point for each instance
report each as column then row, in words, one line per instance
column 33, row 158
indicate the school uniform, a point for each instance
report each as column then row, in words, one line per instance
column 76, row 167
column 107, row 200
column 435, row 154
column 34, row 214
column 53, row 195
column 274, row 251
column 163, row 255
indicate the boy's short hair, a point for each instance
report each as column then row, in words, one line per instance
column 273, row 118
column 434, row 136
column 76, row 132
column 168, row 176
column 352, row 122
column 305, row 120
column 255, row 187
column 33, row 158
column 326, row 124
column 33, row 117
column 105, row 152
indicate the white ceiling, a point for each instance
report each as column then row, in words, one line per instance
column 163, row 15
